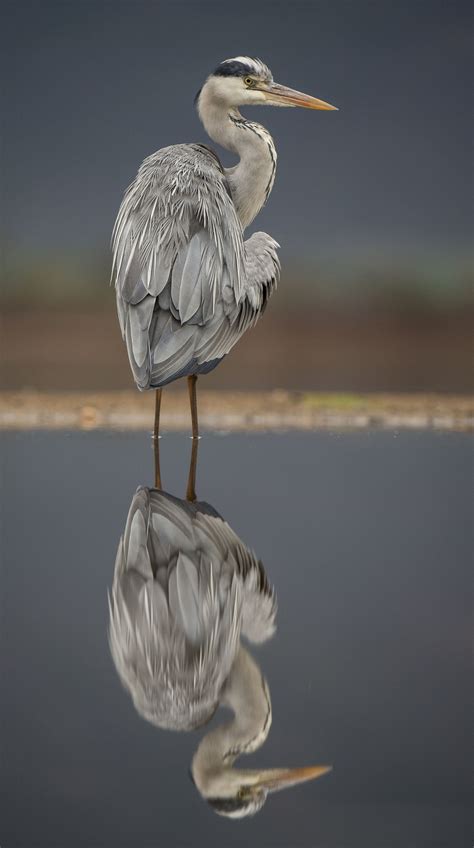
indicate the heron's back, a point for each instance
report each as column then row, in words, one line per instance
column 187, row 285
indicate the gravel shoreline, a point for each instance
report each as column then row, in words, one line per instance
column 235, row 411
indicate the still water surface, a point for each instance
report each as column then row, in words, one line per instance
column 366, row 538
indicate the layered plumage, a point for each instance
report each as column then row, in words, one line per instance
column 185, row 589
column 187, row 284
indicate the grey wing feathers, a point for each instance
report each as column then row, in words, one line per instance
column 259, row 606
column 262, row 270
column 184, row 589
column 187, row 286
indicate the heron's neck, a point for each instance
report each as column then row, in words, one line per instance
column 246, row 693
column 251, row 180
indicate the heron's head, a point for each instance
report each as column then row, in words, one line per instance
column 237, row 793
column 243, row 81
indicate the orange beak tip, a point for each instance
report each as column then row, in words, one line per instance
column 320, row 770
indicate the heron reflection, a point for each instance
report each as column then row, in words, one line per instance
column 185, row 590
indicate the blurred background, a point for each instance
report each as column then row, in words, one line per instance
column 371, row 204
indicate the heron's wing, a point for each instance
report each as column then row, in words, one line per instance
column 160, row 546
column 233, row 317
column 179, row 349
column 259, row 607
column 173, row 635
column 204, row 606
column 262, row 271
column 177, row 244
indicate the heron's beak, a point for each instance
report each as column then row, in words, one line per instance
column 279, row 95
column 273, row 780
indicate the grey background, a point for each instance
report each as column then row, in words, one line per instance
column 95, row 85
column 367, row 540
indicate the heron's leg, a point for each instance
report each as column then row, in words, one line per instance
column 192, row 380
column 191, row 488
column 156, row 438
column 156, row 429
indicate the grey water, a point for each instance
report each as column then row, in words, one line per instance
column 366, row 538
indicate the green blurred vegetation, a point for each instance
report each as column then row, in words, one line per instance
column 361, row 282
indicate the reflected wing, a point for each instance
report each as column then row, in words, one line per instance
column 175, row 616
column 259, row 607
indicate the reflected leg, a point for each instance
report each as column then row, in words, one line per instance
column 156, row 438
column 191, row 489
column 192, row 380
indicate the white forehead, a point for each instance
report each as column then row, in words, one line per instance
column 255, row 66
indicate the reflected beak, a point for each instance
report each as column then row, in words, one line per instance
column 275, row 779
column 279, row 95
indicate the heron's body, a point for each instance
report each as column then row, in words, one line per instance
column 188, row 285
column 185, row 588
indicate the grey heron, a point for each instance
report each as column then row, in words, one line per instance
column 185, row 589
column 188, row 286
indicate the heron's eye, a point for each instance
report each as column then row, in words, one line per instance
column 249, row 82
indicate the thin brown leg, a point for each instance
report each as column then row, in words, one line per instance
column 192, row 380
column 156, row 439
column 191, row 489
column 156, row 429
column 156, row 451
